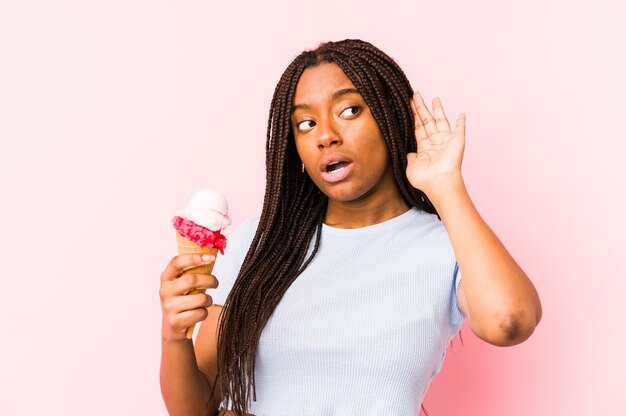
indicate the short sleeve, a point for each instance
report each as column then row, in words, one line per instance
column 227, row 266
column 456, row 314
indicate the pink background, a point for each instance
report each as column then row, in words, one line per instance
column 113, row 112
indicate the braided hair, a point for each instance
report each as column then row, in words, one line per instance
column 294, row 208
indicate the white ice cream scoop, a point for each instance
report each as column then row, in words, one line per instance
column 208, row 208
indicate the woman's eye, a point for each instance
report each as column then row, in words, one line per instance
column 351, row 111
column 305, row 125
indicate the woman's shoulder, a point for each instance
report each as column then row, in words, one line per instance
column 418, row 220
column 227, row 266
column 244, row 231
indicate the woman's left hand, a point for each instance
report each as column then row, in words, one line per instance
column 439, row 150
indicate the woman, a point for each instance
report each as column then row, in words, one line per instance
column 342, row 297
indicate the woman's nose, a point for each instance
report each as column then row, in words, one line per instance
column 328, row 134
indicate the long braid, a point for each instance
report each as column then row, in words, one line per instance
column 294, row 208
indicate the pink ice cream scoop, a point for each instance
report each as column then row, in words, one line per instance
column 204, row 217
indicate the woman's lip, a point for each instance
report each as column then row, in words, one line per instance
column 331, row 158
column 337, row 175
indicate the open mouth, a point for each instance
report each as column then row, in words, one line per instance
column 335, row 166
column 336, row 171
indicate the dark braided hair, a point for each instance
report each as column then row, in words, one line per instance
column 294, row 208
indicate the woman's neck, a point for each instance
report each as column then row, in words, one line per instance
column 364, row 212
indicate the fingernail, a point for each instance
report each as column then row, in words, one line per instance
column 207, row 258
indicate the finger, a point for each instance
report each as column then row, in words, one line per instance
column 182, row 321
column 186, row 285
column 178, row 304
column 440, row 116
column 420, row 131
column 423, row 156
column 182, row 262
column 459, row 128
column 188, row 282
column 414, row 156
column 426, row 118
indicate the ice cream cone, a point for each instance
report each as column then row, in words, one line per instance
column 199, row 230
column 186, row 246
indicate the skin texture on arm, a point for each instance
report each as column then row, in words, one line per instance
column 501, row 304
column 206, row 352
column 184, row 387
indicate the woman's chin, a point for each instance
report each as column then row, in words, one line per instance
column 343, row 194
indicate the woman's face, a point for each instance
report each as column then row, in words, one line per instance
column 337, row 138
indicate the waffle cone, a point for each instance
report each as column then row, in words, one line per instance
column 186, row 246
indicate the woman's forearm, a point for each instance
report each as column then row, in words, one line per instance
column 502, row 304
column 185, row 390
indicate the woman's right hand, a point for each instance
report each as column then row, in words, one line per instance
column 180, row 309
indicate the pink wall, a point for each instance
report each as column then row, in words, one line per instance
column 112, row 113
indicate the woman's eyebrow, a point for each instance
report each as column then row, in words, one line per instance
column 335, row 95
column 345, row 91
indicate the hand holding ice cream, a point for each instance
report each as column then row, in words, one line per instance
column 199, row 231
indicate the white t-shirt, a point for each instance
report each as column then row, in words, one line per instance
column 364, row 329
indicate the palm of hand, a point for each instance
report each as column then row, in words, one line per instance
column 439, row 149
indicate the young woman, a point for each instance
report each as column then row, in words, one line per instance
column 342, row 297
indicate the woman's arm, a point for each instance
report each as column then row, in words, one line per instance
column 500, row 302
column 185, row 390
column 184, row 385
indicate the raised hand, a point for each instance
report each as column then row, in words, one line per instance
column 439, row 149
